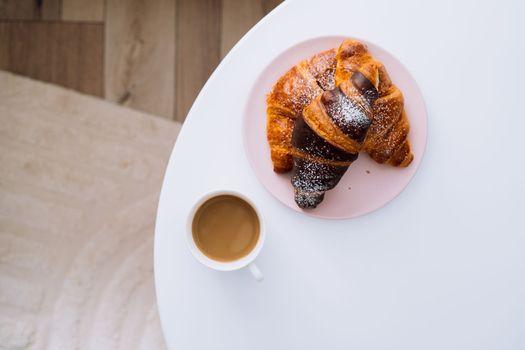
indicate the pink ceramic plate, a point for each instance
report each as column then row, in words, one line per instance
column 366, row 186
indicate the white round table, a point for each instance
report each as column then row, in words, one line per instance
column 440, row 267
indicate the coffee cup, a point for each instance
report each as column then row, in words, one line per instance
column 226, row 232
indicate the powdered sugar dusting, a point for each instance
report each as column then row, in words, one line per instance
column 307, row 200
column 386, row 112
column 311, row 180
column 345, row 111
column 298, row 93
column 322, row 67
column 318, row 149
column 302, row 98
column 327, row 80
column 312, row 177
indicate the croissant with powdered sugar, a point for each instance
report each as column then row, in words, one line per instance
column 327, row 109
column 328, row 136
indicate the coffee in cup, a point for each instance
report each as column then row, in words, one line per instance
column 226, row 228
column 226, row 232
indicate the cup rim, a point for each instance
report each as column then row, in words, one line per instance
column 223, row 265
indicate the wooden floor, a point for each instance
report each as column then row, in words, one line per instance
column 152, row 55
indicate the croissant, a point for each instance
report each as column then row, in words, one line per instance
column 289, row 96
column 328, row 136
column 387, row 139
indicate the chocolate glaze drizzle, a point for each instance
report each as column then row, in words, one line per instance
column 312, row 179
column 346, row 114
column 306, row 140
column 365, row 87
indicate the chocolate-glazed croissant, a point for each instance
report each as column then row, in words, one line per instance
column 387, row 140
column 328, row 136
column 327, row 109
column 289, row 96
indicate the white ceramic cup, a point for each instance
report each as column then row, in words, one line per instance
column 245, row 261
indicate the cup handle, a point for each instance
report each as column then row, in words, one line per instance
column 256, row 273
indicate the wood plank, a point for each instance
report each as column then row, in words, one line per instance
column 30, row 9
column 238, row 16
column 140, row 55
column 269, row 5
column 18, row 9
column 67, row 54
column 92, row 36
column 50, row 9
column 198, row 49
column 4, row 45
column 82, row 10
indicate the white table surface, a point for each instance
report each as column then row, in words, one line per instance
column 440, row 267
